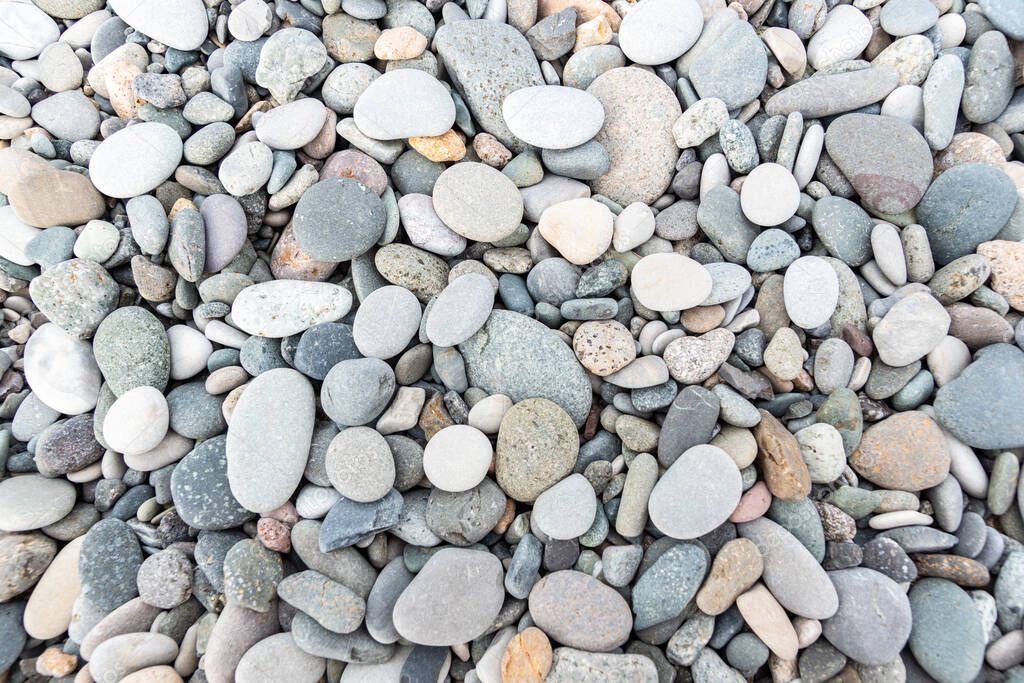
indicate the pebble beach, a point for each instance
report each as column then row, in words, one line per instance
column 511, row 341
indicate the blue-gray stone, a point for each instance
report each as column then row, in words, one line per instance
column 844, row 228
column 947, row 638
column 984, row 406
column 348, row 521
column 323, row 346
column 110, row 558
column 200, row 490
column 669, row 584
column 521, row 358
column 194, row 413
column 965, row 206
column 132, row 350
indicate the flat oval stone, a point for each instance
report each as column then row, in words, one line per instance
column 770, row 195
column 135, row 159
column 327, row 234
column 733, row 68
column 183, row 26
column 478, row 202
column 911, row 329
column 200, row 488
column 226, row 228
column 268, row 439
column 457, row 458
column 280, row 308
column 947, row 637
column 670, row 282
column 578, row 610
column 658, row 31
column 460, row 310
column 291, row 125
column 453, row 599
column 356, row 391
column 552, row 116
column 890, row 178
column 904, row 452
column 696, row 494
column 639, row 110
column 385, row 322
column 537, row 446
column 873, row 621
column 62, row 370
column 26, row 30
column 137, row 421
column 32, row 501
column 810, row 291
column 381, row 111
column 132, row 350
column 791, row 573
column 278, row 657
column 829, row 94
column 519, row 357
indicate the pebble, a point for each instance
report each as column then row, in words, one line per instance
column 433, row 114
column 360, row 465
column 478, row 202
column 385, row 322
column 566, row 510
column 453, row 599
column 580, row 229
column 291, row 125
column 135, row 160
column 810, row 291
column 943, row 618
column 579, row 611
column 770, row 195
column 269, row 309
column 326, row 234
column 911, row 330
column 457, row 458
column 460, row 310
column 957, row 406
column 137, row 421
column 708, row 469
column 660, row 31
column 906, row 451
column 552, row 116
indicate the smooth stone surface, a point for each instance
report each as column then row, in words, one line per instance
column 911, row 330
column 201, row 491
column 810, row 291
column 182, row 27
column 637, row 132
column 670, row 282
column 576, row 609
column 873, row 621
column 62, row 370
column 566, row 510
column 495, row 362
column 660, row 30
column 457, row 458
column 452, row 600
column 385, row 322
column 268, row 439
column 980, row 407
column 282, row 308
column 703, row 473
column 33, row 502
column 330, row 235
column 552, row 116
column 946, row 638
column 136, row 159
column 478, row 202
column 377, row 116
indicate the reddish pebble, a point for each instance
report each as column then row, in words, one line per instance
column 753, row 504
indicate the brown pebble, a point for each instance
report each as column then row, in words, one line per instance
column 603, row 346
column 351, row 163
column 274, row 535
column 858, row 341
column 527, row 657
column 978, row 327
column 778, row 452
column 703, row 319
column 838, row 525
column 904, row 452
column 448, row 146
column 491, row 151
column 1007, row 261
column 960, row 570
column 434, row 417
column 737, row 567
column 55, row 662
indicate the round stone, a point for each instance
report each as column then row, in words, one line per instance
column 355, row 391
column 552, row 116
column 912, row 329
column 658, row 31
column 381, row 111
column 457, row 458
column 905, row 452
column 580, row 229
column 810, row 291
column 291, row 125
column 478, row 202
column 696, row 494
column 604, row 346
column 76, row 294
column 200, row 489
column 165, row 579
column 135, row 159
column 327, row 234
column 844, row 35
column 32, row 502
column 537, row 446
column 246, row 169
column 579, row 611
column 770, row 195
column 25, row 30
column 821, row 446
column 137, row 421
column 874, row 631
column 183, row 26
column 566, row 510
column 360, row 465
column 670, row 282
column 386, row 322
column 225, row 227
column 250, row 19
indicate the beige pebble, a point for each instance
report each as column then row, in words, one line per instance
column 403, row 42
column 448, row 146
column 48, row 612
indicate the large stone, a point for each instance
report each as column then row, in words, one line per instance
column 576, row 609
column 696, row 494
column 280, row 308
column 268, row 439
column 639, row 110
column 519, row 357
column 904, row 452
column 873, row 621
column 984, row 405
